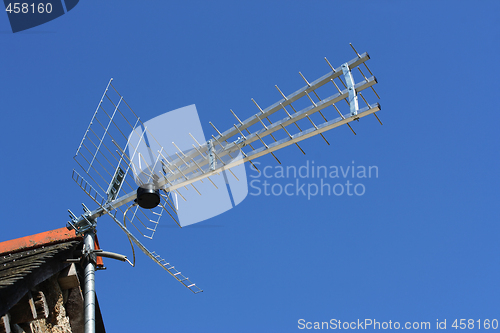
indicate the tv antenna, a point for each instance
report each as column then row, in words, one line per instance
column 136, row 178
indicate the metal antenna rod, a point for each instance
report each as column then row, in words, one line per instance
column 314, row 91
column 296, row 112
column 262, row 111
column 241, row 123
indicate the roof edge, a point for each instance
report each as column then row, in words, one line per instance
column 38, row 240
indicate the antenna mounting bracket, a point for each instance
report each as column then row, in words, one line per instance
column 83, row 225
column 353, row 96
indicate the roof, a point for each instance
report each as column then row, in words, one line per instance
column 25, row 262
column 16, row 266
column 38, row 240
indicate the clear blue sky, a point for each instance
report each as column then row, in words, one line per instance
column 420, row 245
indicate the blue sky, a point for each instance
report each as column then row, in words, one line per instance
column 421, row 244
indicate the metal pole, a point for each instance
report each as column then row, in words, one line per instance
column 89, row 281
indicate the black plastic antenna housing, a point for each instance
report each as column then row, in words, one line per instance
column 147, row 196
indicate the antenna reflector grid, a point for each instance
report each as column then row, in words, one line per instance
column 110, row 171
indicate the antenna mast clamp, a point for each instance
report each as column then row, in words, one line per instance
column 81, row 225
column 353, row 96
